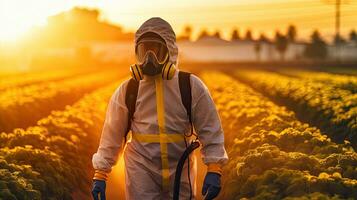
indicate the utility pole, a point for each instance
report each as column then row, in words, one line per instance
column 338, row 38
column 337, row 28
column 337, row 18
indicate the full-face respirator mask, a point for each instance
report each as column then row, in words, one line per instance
column 152, row 58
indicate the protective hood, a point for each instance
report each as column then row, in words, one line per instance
column 164, row 30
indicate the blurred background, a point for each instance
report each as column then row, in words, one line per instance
column 38, row 35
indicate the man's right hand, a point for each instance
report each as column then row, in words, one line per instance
column 98, row 189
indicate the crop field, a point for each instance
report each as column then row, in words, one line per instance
column 329, row 102
column 289, row 135
column 272, row 154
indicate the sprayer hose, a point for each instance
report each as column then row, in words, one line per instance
column 194, row 145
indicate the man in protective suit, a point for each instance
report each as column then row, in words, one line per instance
column 160, row 125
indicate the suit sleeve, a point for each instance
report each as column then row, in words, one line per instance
column 112, row 137
column 207, row 124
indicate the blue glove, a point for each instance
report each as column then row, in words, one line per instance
column 211, row 185
column 98, row 188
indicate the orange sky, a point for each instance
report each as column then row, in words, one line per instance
column 17, row 16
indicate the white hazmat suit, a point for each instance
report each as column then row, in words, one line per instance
column 158, row 126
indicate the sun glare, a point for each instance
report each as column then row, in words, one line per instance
column 18, row 17
column 11, row 31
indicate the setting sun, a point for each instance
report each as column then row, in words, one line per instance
column 15, row 28
column 18, row 17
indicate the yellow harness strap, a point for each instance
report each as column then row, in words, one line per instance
column 156, row 138
column 163, row 137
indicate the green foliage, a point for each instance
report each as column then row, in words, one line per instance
column 332, row 108
column 23, row 106
column 50, row 160
column 338, row 81
column 272, row 154
column 17, row 181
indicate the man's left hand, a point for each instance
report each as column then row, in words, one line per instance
column 211, row 185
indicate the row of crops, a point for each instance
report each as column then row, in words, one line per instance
column 272, row 154
column 329, row 105
column 23, row 79
column 52, row 160
column 21, row 107
column 346, row 82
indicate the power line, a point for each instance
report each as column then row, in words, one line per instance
column 338, row 18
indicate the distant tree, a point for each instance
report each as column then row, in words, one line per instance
column 217, row 34
column 263, row 38
column 188, row 30
column 258, row 45
column 80, row 25
column 84, row 14
column 291, row 33
column 203, row 34
column 281, row 44
column 257, row 49
column 248, row 35
column 353, row 36
column 235, row 35
column 338, row 39
column 186, row 34
column 75, row 15
column 317, row 49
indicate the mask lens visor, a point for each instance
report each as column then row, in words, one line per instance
column 157, row 47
